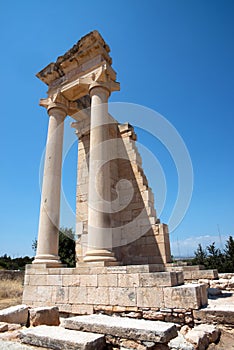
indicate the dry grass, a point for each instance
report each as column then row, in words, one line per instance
column 10, row 292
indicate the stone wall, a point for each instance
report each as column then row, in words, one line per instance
column 138, row 235
column 135, row 291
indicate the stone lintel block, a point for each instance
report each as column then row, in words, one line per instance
column 128, row 280
column 158, row 279
column 188, row 296
column 62, row 339
column 123, row 327
column 122, row 296
column 44, row 316
column 150, row 297
column 15, row 314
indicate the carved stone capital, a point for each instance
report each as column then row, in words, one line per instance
column 57, row 100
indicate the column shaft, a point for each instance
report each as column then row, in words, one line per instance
column 47, row 244
column 99, row 227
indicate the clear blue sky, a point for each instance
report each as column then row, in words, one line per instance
column 176, row 57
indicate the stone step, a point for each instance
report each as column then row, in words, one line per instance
column 218, row 314
column 58, row 338
column 144, row 330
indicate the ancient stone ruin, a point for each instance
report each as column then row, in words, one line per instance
column 123, row 251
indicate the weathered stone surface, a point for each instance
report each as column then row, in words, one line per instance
column 186, row 296
column 200, row 274
column 212, row 332
column 156, row 331
column 179, row 343
column 8, row 345
column 44, row 316
column 223, row 315
column 15, row 314
column 158, row 279
column 150, row 297
column 3, row 327
column 198, row 338
column 59, row 338
column 212, row 292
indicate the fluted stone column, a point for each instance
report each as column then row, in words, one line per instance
column 48, row 237
column 99, row 228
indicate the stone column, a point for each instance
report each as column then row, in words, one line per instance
column 48, row 238
column 99, row 227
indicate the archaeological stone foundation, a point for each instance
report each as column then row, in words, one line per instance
column 122, row 250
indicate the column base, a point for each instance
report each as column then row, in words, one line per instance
column 49, row 260
column 99, row 255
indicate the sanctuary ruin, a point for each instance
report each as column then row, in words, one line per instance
column 122, row 249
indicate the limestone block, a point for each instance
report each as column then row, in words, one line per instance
column 88, row 281
column 179, row 343
column 223, row 315
column 44, row 294
column 62, row 339
column 108, row 280
column 150, row 297
column 198, row 338
column 44, row 316
column 38, row 280
column 137, row 268
column 98, row 295
column 122, row 296
column 29, row 294
column 70, row 280
column 186, row 296
column 78, row 295
column 82, row 309
column 123, row 327
column 180, row 277
column 128, row 280
column 54, row 280
column 158, row 279
column 3, row 327
column 60, row 294
column 15, row 314
column 212, row 332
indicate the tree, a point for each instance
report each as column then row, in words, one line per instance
column 229, row 254
column 67, row 246
column 215, row 258
column 200, row 256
